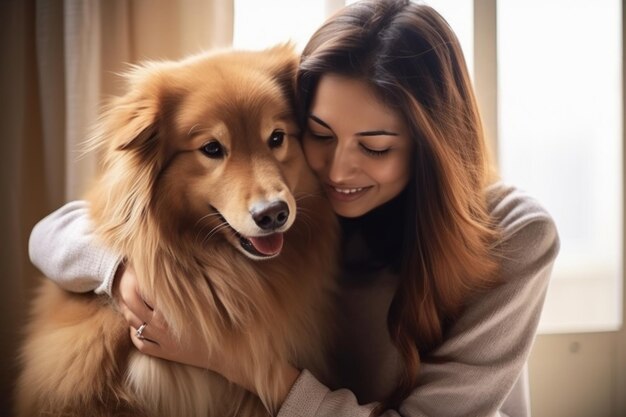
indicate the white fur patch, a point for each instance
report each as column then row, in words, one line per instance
column 169, row 389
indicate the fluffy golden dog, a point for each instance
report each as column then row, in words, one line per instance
column 205, row 189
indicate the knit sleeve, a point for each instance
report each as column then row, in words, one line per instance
column 476, row 367
column 482, row 357
column 63, row 247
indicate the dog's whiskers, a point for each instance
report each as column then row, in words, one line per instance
column 214, row 231
column 303, row 213
column 206, row 216
column 304, row 196
column 305, row 219
column 200, row 228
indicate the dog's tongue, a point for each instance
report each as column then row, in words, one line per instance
column 268, row 245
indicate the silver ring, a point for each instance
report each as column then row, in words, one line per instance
column 139, row 332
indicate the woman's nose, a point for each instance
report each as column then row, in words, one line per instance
column 342, row 164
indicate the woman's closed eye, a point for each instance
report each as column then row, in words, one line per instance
column 320, row 135
column 374, row 152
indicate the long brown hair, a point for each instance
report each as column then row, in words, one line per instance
column 412, row 59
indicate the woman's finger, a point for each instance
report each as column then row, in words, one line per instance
column 147, row 326
column 146, row 332
column 134, row 308
column 144, row 344
column 130, row 317
column 127, row 292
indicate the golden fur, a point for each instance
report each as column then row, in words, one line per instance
column 174, row 212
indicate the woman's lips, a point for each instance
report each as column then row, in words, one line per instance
column 345, row 193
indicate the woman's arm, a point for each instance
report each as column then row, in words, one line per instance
column 63, row 247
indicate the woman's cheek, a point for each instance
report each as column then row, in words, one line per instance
column 314, row 155
column 392, row 171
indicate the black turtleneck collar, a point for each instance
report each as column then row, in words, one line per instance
column 373, row 241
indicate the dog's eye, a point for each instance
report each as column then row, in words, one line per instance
column 276, row 139
column 213, row 149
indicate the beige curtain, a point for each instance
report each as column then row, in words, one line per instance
column 59, row 61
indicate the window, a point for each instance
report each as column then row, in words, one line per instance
column 261, row 24
column 460, row 17
column 560, row 138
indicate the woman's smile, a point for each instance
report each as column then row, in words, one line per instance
column 345, row 194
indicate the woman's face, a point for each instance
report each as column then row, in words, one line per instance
column 359, row 148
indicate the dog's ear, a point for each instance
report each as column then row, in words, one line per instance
column 125, row 123
column 132, row 121
column 283, row 67
column 138, row 125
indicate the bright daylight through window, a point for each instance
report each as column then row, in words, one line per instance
column 560, row 125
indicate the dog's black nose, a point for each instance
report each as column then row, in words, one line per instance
column 270, row 216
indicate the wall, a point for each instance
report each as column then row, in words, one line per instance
column 577, row 375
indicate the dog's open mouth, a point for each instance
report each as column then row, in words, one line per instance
column 263, row 246
column 266, row 246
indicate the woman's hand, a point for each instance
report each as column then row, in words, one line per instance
column 148, row 330
column 155, row 338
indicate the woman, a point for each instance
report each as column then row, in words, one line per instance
column 444, row 268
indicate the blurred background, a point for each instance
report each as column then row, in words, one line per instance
column 548, row 75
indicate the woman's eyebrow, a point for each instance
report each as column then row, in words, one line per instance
column 377, row 133
column 365, row 133
column 319, row 121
